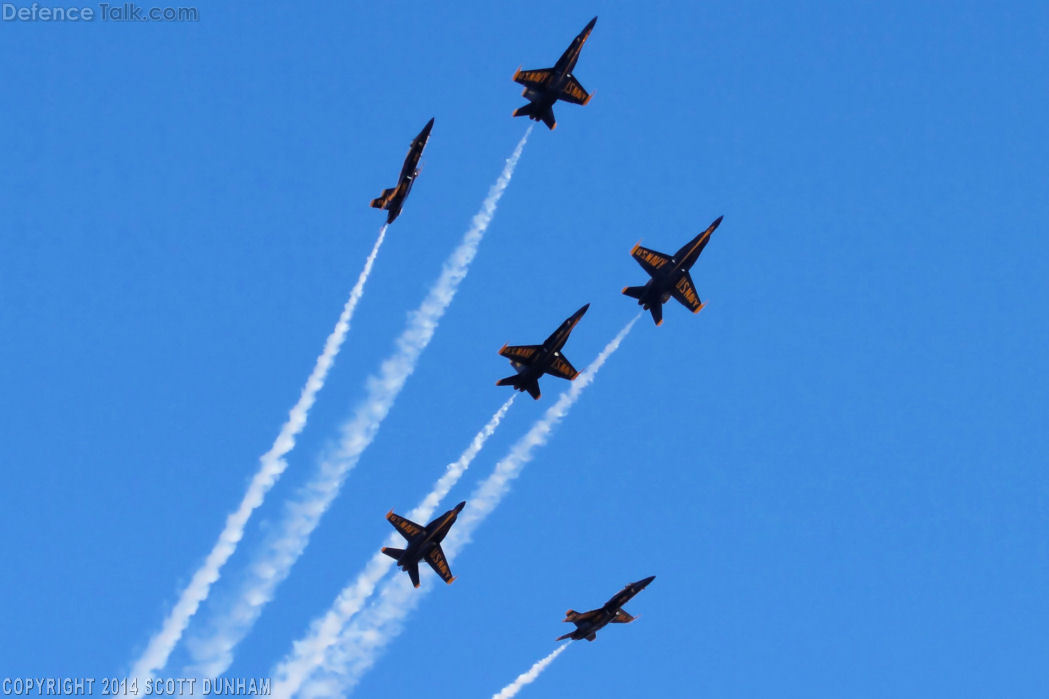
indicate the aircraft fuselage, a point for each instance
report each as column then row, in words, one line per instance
column 538, row 368
column 657, row 289
column 393, row 199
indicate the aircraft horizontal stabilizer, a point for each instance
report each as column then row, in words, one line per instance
column 546, row 116
column 393, row 553
column 527, row 110
column 657, row 313
column 531, row 386
column 383, row 200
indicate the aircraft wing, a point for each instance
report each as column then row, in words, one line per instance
column 685, row 292
column 578, row 618
column 383, row 200
column 522, row 354
column 573, row 92
column 563, row 368
column 532, row 78
column 622, row 617
column 439, row 564
column 650, row 260
column 406, row 527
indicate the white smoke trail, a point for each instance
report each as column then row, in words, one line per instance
column 308, row 653
column 271, row 466
column 368, row 634
column 529, row 677
column 213, row 654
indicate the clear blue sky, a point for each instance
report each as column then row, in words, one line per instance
column 837, row 471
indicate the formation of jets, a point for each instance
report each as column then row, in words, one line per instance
column 669, row 278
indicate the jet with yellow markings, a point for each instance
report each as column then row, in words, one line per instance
column 392, row 199
column 545, row 86
column 424, row 543
column 532, row 361
column 589, row 623
column 670, row 276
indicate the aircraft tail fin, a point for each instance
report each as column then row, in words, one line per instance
column 393, row 553
column 633, row 292
column 592, row 637
column 521, row 385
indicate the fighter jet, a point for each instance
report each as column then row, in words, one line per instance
column 423, row 542
column 545, row 86
column 532, row 361
column 670, row 276
column 393, row 199
column 589, row 623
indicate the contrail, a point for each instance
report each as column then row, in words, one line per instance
column 271, row 466
column 368, row 634
column 212, row 655
column 514, row 687
column 308, row 653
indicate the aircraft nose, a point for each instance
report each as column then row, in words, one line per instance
column 585, row 34
column 582, row 310
column 717, row 222
column 460, row 506
column 644, row 583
